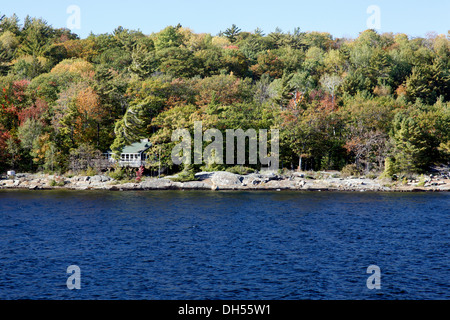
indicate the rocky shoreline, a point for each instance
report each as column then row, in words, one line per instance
column 320, row 181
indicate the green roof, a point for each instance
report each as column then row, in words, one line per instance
column 137, row 147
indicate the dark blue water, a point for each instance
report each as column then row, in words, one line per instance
column 223, row 245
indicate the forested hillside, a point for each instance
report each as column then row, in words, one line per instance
column 380, row 102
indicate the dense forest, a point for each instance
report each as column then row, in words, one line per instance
column 379, row 103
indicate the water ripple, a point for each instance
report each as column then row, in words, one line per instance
column 223, row 245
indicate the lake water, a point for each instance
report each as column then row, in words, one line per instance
column 193, row 245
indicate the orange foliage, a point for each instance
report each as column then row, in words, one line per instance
column 84, row 48
column 401, row 91
column 88, row 103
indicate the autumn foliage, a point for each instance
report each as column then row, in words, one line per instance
column 376, row 99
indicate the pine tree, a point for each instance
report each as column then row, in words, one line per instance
column 37, row 38
column 232, row 33
column 5, row 59
column 410, row 145
column 428, row 82
column 143, row 61
column 285, row 94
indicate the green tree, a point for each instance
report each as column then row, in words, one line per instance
column 29, row 132
column 232, row 33
column 37, row 37
column 5, row 60
column 428, row 82
column 285, row 91
column 11, row 24
column 178, row 62
column 168, row 38
column 143, row 61
column 410, row 145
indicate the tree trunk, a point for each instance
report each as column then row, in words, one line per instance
column 98, row 134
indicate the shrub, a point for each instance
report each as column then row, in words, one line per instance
column 350, row 170
column 184, row 176
column 57, row 182
column 117, row 174
column 240, row 170
column 372, row 176
column 139, row 174
column 91, row 172
column 69, row 174
column 421, row 182
column 389, row 168
column 283, row 171
column 405, row 180
column 213, row 167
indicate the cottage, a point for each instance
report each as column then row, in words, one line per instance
column 132, row 155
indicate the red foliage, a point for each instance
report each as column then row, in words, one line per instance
column 19, row 88
column 139, row 173
column 33, row 112
column 4, row 136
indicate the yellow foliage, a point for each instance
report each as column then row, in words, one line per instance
column 445, row 147
column 221, row 42
column 9, row 40
column 29, row 59
column 42, row 146
column 80, row 66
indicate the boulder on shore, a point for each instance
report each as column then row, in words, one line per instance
column 226, row 180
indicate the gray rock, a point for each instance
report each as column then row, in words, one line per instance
column 23, row 175
column 196, row 185
column 152, row 184
column 252, row 179
column 100, row 178
column 302, row 183
column 81, row 185
column 298, row 174
column 204, row 175
column 130, row 186
column 224, row 179
column 256, row 182
column 270, row 175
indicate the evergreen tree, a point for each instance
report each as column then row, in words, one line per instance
column 285, row 93
column 232, row 33
column 410, row 145
column 428, row 83
column 5, row 60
